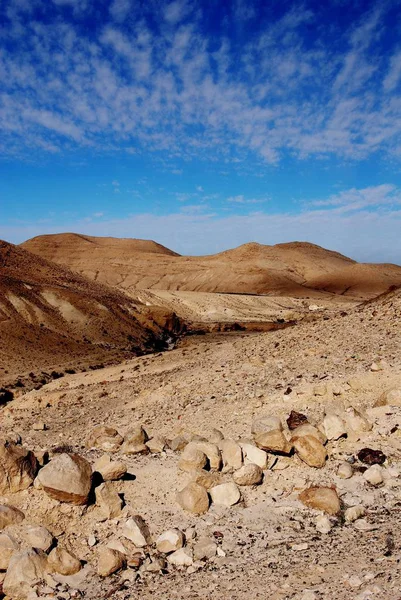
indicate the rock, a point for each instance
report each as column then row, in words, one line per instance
column 308, row 429
column 192, row 458
column 9, row 515
column 26, row 569
column 108, row 500
column 137, row 531
column 391, row 397
column 207, row 479
column 105, row 438
column 18, row 467
column 323, row 524
column 193, row 498
column 42, row 456
column 63, row 562
column 8, row 545
column 215, row 436
column 334, row 427
column 36, row 536
column 178, row 443
column 212, row 452
column 310, row 450
column 110, row 470
column 378, row 366
column 205, row 549
column 253, row 454
column 231, row 454
column 356, row 422
column 157, row 565
column 354, row 512
column 345, row 470
column 109, row 561
column 134, row 441
column 371, row 457
column 248, row 475
column 273, row 441
column 374, row 475
column 170, row 541
column 321, row 498
column 265, row 424
column 92, row 541
column 67, row 478
column 295, row 420
column 181, row 558
column 225, row 494
column 156, row 444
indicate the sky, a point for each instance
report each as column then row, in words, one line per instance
column 203, row 124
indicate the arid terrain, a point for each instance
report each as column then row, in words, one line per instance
column 280, row 506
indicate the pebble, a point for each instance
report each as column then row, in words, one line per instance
column 374, row 475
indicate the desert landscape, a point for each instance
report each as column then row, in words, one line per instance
column 225, row 426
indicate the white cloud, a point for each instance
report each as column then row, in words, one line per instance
column 176, row 11
column 119, row 9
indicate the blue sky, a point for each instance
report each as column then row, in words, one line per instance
column 203, row 125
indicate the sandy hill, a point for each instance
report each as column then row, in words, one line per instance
column 295, row 269
column 52, row 318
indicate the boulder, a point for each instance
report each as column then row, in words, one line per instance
column 265, row 424
column 194, row 499
column 67, row 478
column 231, row 454
column 310, row 430
column 334, row 427
column 207, row 479
column 108, row 500
column 192, row 458
column 18, row 467
column 110, row 470
column 63, row 562
column 212, row 452
column 105, row 438
column 310, row 450
column 36, row 536
column 109, row 561
column 156, row 444
column 134, row 441
column 321, row 498
column 253, row 454
column 391, row 397
column 170, row 541
column 273, row 441
column 136, row 530
column 181, row 558
column 9, row 515
column 8, row 545
column 225, row 494
column 26, row 569
column 248, row 475
column 296, row 419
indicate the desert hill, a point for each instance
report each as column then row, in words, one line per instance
column 296, row 269
column 52, row 319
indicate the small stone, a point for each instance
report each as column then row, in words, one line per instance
column 170, row 541
column 334, row 427
column 192, row 458
column 92, row 541
column 377, row 366
column 273, row 441
column 310, row 450
column 345, row 470
column 105, row 438
column 371, row 457
column 63, row 562
column 194, row 498
column 110, row 470
column 181, row 558
column 26, row 569
column 109, row 561
column 300, row 547
column 205, row 549
column 254, row 455
column 207, row 479
column 323, row 524
column 156, row 444
column 67, row 478
column 134, row 441
column 225, row 494
column 374, row 475
column 136, row 530
column 354, row 512
column 9, row 515
column 265, row 424
column 321, row 498
column 8, row 545
column 356, row 422
column 108, row 500
column 39, row 426
column 250, row 474
column 231, row 454
column 157, row 565
column 178, row 443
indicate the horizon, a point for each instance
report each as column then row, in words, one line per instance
column 203, row 125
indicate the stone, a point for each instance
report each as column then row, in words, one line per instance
column 354, row 512
column 109, row 561
column 9, row 515
column 273, row 441
column 265, row 424
column 134, row 441
column 37, row 536
column 253, row 454
column 105, row 438
column 374, row 475
column 212, row 453
column 391, row 397
column 371, row 457
column 194, row 499
column 67, row 478
column 108, row 500
column 215, row 436
column 377, row 366
column 207, row 479
column 156, row 444
column 310, row 450
column 136, row 530
column 321, row 498
column 296, row 419
column 225, row 494
column 248, row 475
column 356, row 422
column 170, row 541
column 18, row 467
column 192, row 458
column 334, row 427
column 310, row 430
column 63, row 562
column 181, row 558
column 8, row 545
column 178, row 443
column 42, row 456
column 26, row 569
column 39, row 426
column 231, row 454
column 205, row 549
column 110, row 470
column 345, row 470
column 323, row 524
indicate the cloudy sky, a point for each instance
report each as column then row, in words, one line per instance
column 203, row 124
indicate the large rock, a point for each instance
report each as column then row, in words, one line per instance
column 253, row 454
column 391, row 397
column 26, row 569
column 8, row 545
column 205, row 548
column 212, row 452
column 18, row 468
column 248, row 475
column 310, row 450
column 136, row 530
column 321, row 498
column 170, row 541
column 194, row 499
column 67, row 478
column 105, row 438
column 9, row 515
column 310, row 430
column 63, row 562
column 265, row 424
column 225, row 494
column 231, row 454
column 36, row 536
column 334, row 427
column 273, row 441
column 134, row 441
column 109, row 561
column 356, row 422
column 192, row 458
column 108, row 500
column 110, row 470
column 181, row 558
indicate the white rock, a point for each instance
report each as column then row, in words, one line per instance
column 323, row 524
column 137, row 531
column 248, row 475
column 334, row 427
column 374, row 475
column 36, row 536
column 8, row 545
column 26, row 569
column 264, row 424
column 193, row 498
column 231, row 454
column 225, row 494
column 345, row 470
column 254, row 455
column 205, row 548
column 181, row 558
column 170, row 541
column 354, row 512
